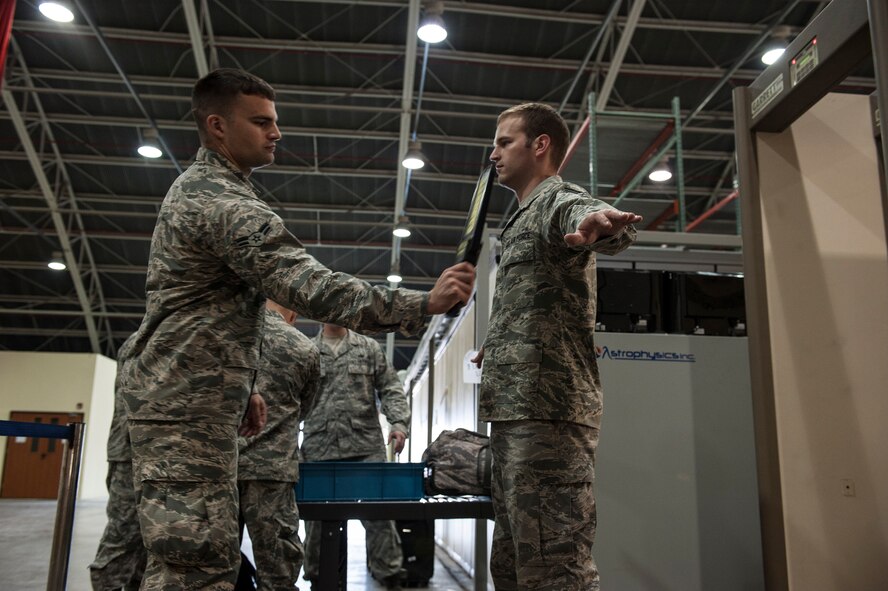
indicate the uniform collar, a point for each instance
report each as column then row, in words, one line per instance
column 544, row 185
column 350, row 339
column 213, row 158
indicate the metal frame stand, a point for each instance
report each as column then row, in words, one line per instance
column 60, row 552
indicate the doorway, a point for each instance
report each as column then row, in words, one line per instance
column 32, row 466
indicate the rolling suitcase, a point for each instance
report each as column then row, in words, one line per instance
column 418, row 545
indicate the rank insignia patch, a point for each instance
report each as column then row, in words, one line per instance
column 257, row 238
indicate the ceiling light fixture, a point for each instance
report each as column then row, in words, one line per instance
column 402, row 228
column 150, row 147
column 661, row 172
column 772, row 55
column 414, row 159
column 431, row 26
column 56, row 263
column 394, row 275
column 777, row 45
column 56, row 12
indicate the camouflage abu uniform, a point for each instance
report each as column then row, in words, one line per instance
column 345, row 426
column 120, row 559
column 541, row 392
column 268, row 463
column 217, row 252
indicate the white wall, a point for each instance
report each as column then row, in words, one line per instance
column 101, row 409
column 675, row 476
column 64, row 382
column 826, row 273
column 455, row 406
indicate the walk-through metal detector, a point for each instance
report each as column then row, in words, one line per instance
column 815, row 217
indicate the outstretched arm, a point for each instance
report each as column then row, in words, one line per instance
column 601, row 223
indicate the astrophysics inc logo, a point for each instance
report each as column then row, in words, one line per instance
column 643, row 355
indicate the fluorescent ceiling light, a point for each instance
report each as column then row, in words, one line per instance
column 661, row 172
column 769, row 57
column 414, row 159
column 149, row 151
column 57, row 12
column 56, row 263
column 402, row 228
column 431, row 29
column 150, row 147
column 394, row 275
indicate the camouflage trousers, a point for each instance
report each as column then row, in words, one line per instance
column 384, row 555
column 120, row 560
column 186, row 489
column 268, row 509
column 544, row 506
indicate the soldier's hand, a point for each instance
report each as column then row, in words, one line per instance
column 454, row 286
column 399, row 438
column 478, row 359
column 255, row 417
column 599, row 224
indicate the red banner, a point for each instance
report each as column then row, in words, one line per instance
column 7, row 11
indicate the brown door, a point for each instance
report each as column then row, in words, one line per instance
column 32, row 466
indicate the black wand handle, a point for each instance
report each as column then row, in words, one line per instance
column 454, row 311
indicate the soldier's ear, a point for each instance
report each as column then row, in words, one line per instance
column 541, row 144
column 215, row 125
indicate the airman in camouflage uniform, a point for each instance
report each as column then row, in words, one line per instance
column 268, row 464
column 345, row 426
column 217, row 252
column 540, row 387
column 120, row 559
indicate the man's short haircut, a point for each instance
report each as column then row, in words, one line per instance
column 215, row 93
column 539, row 119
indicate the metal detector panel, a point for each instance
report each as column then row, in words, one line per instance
column 819, row 58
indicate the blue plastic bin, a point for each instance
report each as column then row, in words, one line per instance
column 359, row 481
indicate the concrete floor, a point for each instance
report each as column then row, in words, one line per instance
column 26, row 537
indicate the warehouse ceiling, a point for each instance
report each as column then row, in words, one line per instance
column 353, row 87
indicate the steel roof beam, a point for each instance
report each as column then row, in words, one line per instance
column 584, row 18
column 751, row 49
column 619, row 54
column 126, row 161
column 495, row 104
column 57, row 220
column 352, row 48
column 402, row 176
column 599, row 37
column 345, row 134
column 194, row 34
column 126, row 81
